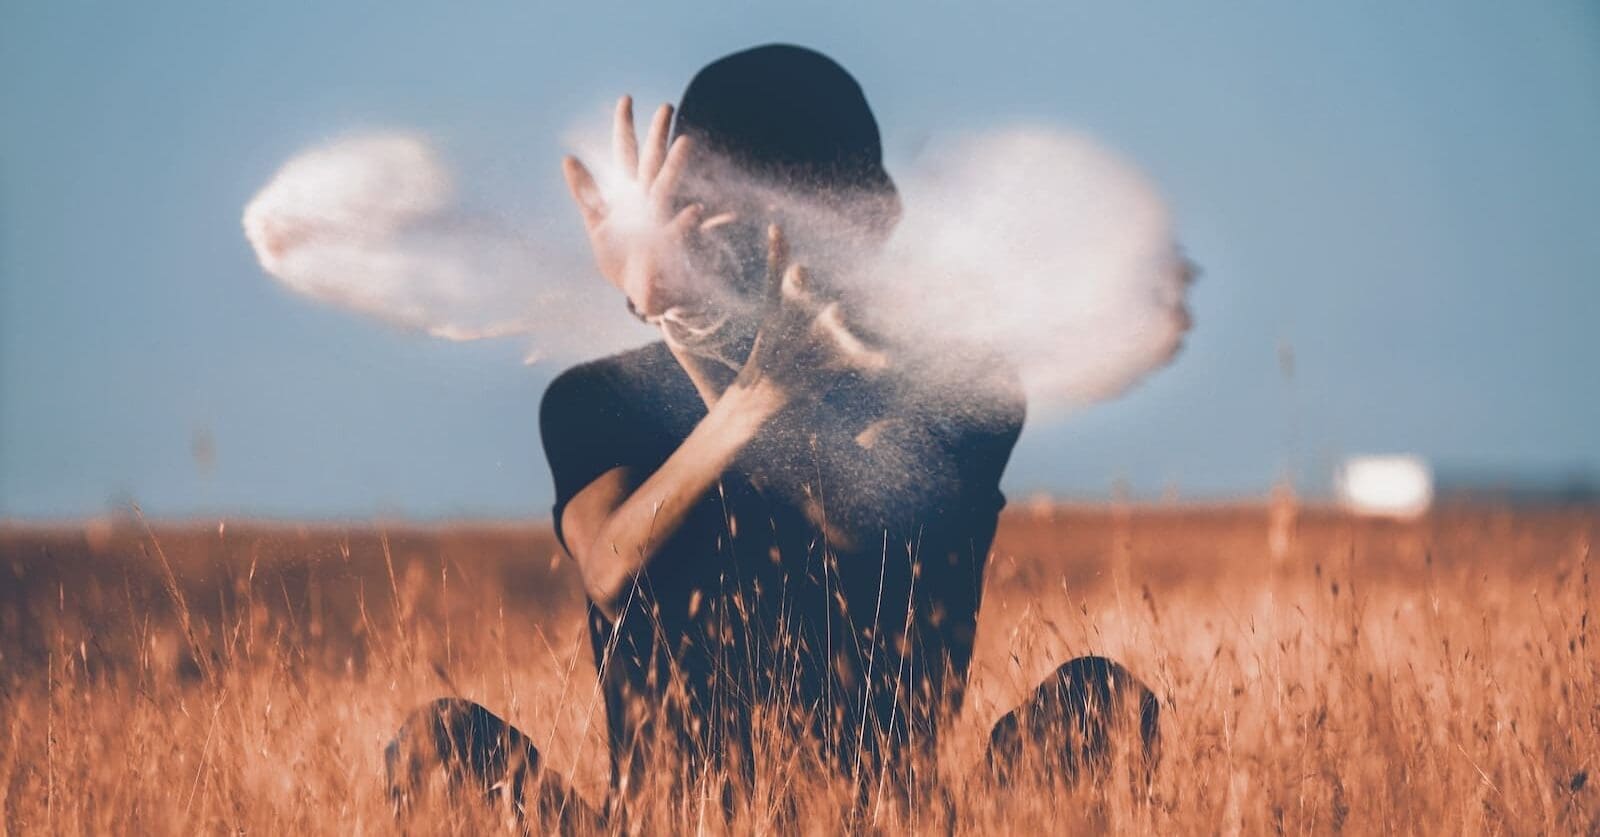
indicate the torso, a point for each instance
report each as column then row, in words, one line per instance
column 754, row 601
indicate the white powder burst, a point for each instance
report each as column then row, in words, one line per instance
column 372, row 224
column 1033, row 245
column 1044, row 248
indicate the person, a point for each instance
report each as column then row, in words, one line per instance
column 779, row 531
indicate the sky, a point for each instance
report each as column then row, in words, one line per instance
column 1396, row 208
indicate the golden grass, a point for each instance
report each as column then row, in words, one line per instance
column 1317, row 673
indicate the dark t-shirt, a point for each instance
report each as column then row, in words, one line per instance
column 831, row 577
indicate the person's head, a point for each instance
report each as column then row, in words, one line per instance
column 783, row 133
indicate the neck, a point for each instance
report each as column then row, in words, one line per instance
column 710, row 378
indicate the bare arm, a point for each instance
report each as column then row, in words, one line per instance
column 614, row 527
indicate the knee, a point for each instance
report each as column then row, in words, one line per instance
column 444, row 719
column 1076, row 719
column 1102, row 690
column 461, row 740
column 431, row 732
column 419, row 746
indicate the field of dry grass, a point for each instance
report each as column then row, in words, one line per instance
column 1317, row 673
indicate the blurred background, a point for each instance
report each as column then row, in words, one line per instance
column 1396, row 208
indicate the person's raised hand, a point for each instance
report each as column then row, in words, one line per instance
column 637, row 238
column 804, row 342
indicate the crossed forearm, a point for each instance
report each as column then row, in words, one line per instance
column 783, row 457
column 631, row 535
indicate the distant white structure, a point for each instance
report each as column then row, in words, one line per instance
column 1398, row 486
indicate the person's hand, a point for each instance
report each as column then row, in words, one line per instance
column 638, row 241
column 804, row 343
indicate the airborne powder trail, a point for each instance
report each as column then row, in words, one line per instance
column 374, row 224
column 1031, row 245
column 1043, row 248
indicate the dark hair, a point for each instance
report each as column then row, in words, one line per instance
column 788, row 114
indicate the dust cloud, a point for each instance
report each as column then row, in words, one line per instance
column 1029, row 247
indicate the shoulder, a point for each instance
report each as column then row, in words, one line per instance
column 640, row 391
column 991, row 406
column 619, row 378
column 1010, row 410
column 980, row 426
column 997, row 405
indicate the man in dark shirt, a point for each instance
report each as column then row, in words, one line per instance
column 856, row 617
column 780, row 532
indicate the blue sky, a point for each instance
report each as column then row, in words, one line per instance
column 1406, row 196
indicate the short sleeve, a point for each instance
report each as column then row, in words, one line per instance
column 584, row 426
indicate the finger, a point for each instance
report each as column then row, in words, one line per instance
column 584, row 191
column 855, row 353
column 665, row 185
column 718, row 220
column 624, row 142
column 776, row 256
column 688, row 218
column 655, row 145
column 796, row 282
